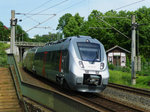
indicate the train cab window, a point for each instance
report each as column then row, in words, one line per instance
column 89, row 51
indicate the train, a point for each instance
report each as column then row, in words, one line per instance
column 78, row 63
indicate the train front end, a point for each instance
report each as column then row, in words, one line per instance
column 88, row 65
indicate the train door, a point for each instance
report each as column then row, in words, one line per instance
column 63, row 67
column 65, row 62
column 44, row 62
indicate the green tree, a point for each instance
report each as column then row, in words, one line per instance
column 71, row 28
column 4, row 32
column 63, row 21
column 79, row 19
column 47, row 38
column 21, row 35
column 143, row 18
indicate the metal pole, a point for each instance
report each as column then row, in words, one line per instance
column 133, row 48
column 13, row 23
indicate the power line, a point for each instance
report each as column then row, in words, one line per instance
column 53, row 16
column 32, row 19
column 40, row 23
column 39, row 6
column 70, row 6
column 52, row 6
column 39, row 13
column 114, row 17
column 114, row 28
column 36, row 26
column 99, row 28
column 129, row 5
column 31, row 14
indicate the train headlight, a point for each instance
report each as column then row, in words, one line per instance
column 81, row 64
column 102, row 66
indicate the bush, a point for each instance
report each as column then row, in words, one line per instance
column 111, row 66
column 125, row 69
column 143, row 73
column 3, row 55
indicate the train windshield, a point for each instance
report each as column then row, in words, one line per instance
column 89, row 51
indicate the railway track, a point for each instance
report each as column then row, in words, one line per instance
column 96, row 101
column 141, row 92
column 107, row 104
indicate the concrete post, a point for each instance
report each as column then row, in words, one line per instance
column 133, row 53
column 13, row 23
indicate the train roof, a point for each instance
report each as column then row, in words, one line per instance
column 61, row 44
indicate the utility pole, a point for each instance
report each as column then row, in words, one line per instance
column 133, row 48
column 13, row 24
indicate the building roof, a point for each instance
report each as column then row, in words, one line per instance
column 119, row 48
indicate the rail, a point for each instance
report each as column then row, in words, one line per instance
column 50, row 99
column 141, row 92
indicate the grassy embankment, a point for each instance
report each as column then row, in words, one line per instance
column 3, row 55
column 124, row 78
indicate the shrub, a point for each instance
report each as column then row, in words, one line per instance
column 125, row 69
column 111, row 66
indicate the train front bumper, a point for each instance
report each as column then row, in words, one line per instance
column 89, row 88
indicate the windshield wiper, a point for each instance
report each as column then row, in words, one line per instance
column 95, row 58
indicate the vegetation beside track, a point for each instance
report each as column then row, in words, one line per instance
column 124, row 78
column 3, row 55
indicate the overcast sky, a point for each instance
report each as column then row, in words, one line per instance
column 58, row 7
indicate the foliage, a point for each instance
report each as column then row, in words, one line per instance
column 21, row 35
column 4, row 32
column 97, row 28
column 3, row 55
column 111, row 66
column 47, row 38
column 70, row 25
column 125, row 79
column 63, row 21
column 71, row 28
column 126, row 69
column 120, row 77
column 145, row 67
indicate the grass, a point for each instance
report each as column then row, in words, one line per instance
column 124, row 78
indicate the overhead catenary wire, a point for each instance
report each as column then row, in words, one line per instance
column 55, row 15
column 48, row 18
column 52, row 6
column 38, row 7
column 129, row 5
column 40, row 23
column 32, row 14
column 113, row 28
column 70, row 6
column 39, row 13
column 32, row 19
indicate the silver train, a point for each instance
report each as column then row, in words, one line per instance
column 77, row 62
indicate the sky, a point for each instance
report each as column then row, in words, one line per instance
column 52, row 10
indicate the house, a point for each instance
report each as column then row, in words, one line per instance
column 117, row 56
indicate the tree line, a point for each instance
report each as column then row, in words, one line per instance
column 105, row 27
column 111, row 28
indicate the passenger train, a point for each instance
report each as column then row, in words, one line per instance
column 77, row 62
